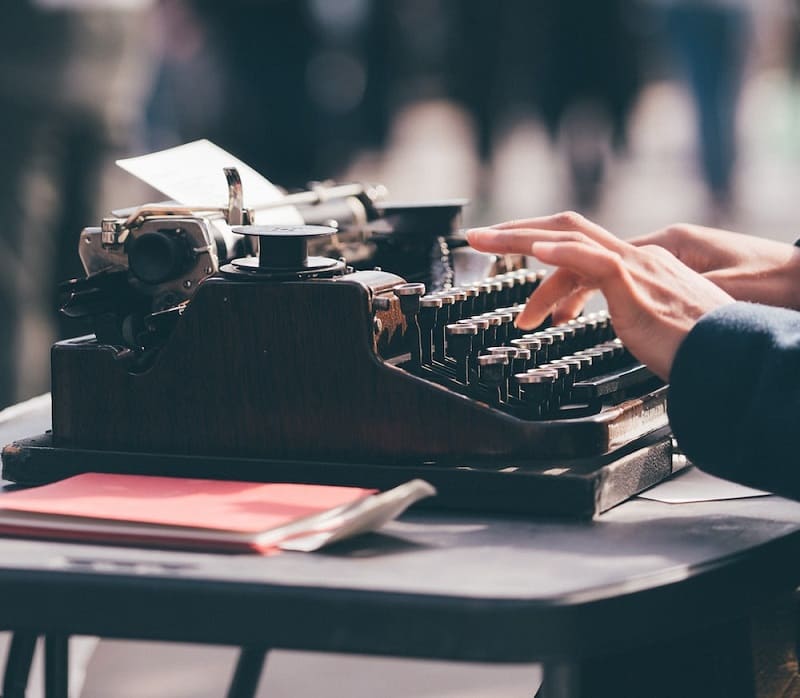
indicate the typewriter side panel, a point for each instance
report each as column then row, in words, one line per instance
column 288, row 370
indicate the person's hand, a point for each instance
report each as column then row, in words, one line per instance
column 654, row 299
column 748, row 268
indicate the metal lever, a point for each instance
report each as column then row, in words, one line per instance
column 235, row 196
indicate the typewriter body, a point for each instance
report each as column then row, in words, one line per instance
column 347, row 353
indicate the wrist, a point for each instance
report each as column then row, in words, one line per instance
column 793, row 278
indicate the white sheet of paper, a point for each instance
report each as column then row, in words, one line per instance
column 693, row 485
column 192, row 175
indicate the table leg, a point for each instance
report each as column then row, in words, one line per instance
column 750, row 657
column 248, row 672
column 18, row 664
column 56, row 666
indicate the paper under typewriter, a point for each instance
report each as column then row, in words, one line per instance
column 365, row 351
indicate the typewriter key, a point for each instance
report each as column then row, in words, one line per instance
column 428, row 310
column 460, row 297
column 410, row 295
column 513, row 365
column 459, row 345
column 507, row 284
column 536, row 389
column 492, row 373
column 480, row 340
column 557, row 349
column 442, row 320
column 504, row 329
column 494, row 325
column 471, row 293
column 546, row 341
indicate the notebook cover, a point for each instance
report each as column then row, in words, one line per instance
column 186, row 512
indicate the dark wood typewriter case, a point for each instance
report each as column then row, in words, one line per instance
column 286, row 381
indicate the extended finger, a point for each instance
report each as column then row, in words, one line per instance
column 571, row 306
column 566, row 220
column 518, row 241
column 595, row 266
column 561, row 283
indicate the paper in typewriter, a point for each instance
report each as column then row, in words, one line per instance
column 192, row 175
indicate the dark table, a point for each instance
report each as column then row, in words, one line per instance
column 650, row 599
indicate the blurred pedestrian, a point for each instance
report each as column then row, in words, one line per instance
column 71, row 85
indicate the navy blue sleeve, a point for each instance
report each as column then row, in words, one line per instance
column 734, row 400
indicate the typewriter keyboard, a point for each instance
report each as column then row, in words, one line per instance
column 465, row 339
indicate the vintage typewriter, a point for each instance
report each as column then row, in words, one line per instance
column 349, row 349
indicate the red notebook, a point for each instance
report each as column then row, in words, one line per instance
column 174, row 512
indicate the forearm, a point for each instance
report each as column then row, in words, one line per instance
column 778, row 285
column 747, row 267
column 735, row 395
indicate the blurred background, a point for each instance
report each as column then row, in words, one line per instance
column 637, row 113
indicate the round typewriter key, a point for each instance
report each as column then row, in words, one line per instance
column 558, row 349
column 492, row 360
column 572, row 367
column 582, row 362
column 547, row 344
column 503, row 332
column 533, row 345
column 460, row 345
column 560, row 366
column 523, row 359
column 483, row 325
column 532, row 280
column 513, row 365
column 604, row 327
column 536, row 389
column 480, row 321
column 567, row 341
column 428, row 314
column 409, row 290
column 448, row 301
column 494, row 324
column 458, row 304
column 503, row 350
column 579, row 329
column 430, row 302
column 518, row 293
column 599, row 360
column 482, row 300
column 471, row 293
column 492, row 372
column 507, row 288
column 409, row 295
column 494, row 297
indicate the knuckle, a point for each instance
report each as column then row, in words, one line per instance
column 655, row 251
column 570, row 219
column 677, row 232
column 616, row 264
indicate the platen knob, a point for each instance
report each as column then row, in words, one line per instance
column 283, row 253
